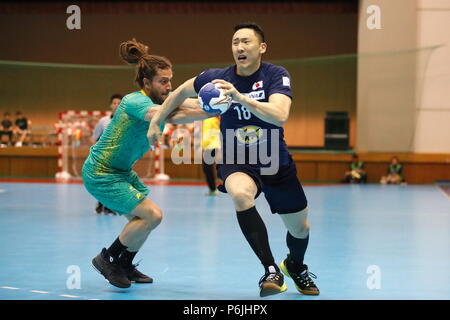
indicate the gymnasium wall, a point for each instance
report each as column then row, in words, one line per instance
column 193, row 36
column 403, row 77
column 433, row 111
column 386, row 77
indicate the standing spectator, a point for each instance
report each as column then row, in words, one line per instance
column 211, row 146
column 356, row 174
column 6, row 128
column 102, row 124
column 21, row 129
column 395, row 173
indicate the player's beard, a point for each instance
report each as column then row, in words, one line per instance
column 158, row 98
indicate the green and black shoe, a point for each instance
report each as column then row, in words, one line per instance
column 272, row 282
column 110, row 269
column 302, row 277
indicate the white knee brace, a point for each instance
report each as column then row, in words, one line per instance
column 297, row 223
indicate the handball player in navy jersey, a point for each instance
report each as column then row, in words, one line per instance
column 255, row 156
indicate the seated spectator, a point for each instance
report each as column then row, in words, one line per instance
column 101, row 126
column 6, row 128
column 21, row 129
column 394, row 174
column 356, row 174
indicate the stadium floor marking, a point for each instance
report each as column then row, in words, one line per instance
column 44, row 292
column 68, row 296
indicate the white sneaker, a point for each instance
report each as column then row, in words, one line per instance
column 18, row 144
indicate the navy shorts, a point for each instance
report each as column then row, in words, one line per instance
column 283, row 191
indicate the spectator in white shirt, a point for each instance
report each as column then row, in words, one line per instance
column 102, row 124
column 104, row 121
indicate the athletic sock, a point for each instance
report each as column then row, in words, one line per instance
column 116, row 249
column 126, row 258
column 297, row 248
column 254, row 230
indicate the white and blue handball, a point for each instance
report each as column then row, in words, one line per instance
column 212, row 98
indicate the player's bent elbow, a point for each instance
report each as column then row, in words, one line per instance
column 281, row 117
column 285, row 116
column 281, row 120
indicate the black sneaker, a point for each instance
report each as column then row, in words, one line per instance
column 302, row 279
column 271, row 283
column 134, row 275
column 99, row 208
column 108, row 211
column 111, row 270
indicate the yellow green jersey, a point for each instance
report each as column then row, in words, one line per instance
column 124, row 141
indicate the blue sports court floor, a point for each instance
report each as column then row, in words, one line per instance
column 366, row 242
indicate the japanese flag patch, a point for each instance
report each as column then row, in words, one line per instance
column 257, row 85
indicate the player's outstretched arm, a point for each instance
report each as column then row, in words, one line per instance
column 172, row 102
column 188, row 112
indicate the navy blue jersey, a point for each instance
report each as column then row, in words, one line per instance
column 251, row 132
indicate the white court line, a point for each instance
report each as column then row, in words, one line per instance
column 2, row 190
column 443, row 192
column 37, row 291
column 68, row 296
column 165, row 270
column 44, row 292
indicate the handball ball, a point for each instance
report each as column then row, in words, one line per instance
column 212, row 99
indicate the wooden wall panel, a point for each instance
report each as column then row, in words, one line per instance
column 4, row 166
column 37, row 165
column 426, row 173
column 311, row 167
column 331, row 171
column 52, row 167
column 375, row 171
column 20, row 166
column 306, row 171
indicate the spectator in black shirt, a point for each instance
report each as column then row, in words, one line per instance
column 6, row 128
column 21, row 129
